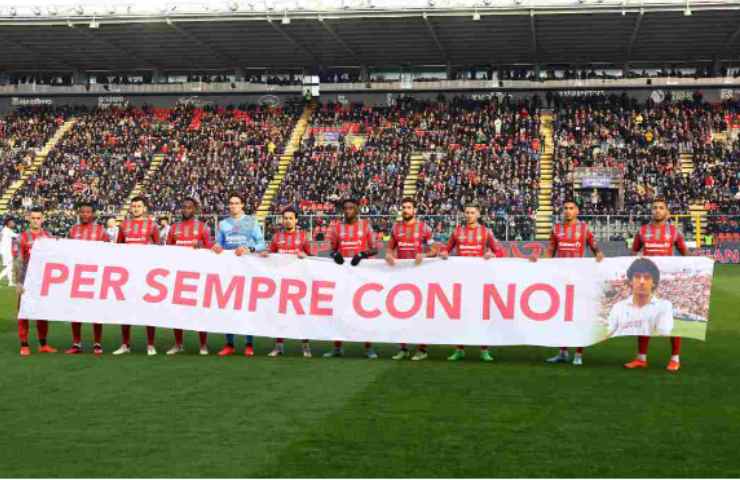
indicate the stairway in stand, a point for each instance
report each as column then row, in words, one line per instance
column 38, row 161
column 544, row 210
column 285, row 160
column 141, row 187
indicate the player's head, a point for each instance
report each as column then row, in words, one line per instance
column 350, row 209
column 290, row 219
column 660, row 210
column 111, row 223
column 36, row 218
column 643, row 276
column 236, row 204
column 472, row 213
column 408, row 209
column 86, row 212
column 163, row 221
column 10, row 223
column 138, row 206
column 570, row 210
column 188, row 208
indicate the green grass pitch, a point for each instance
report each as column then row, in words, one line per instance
column 190, row 416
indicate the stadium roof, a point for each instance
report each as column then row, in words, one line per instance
column 234, row 35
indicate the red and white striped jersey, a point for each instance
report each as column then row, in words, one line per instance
column 409, row 239
column 27, row 239
column 138, row 231
column 472, row 241
column 658, row 240
column 570, row 240
column 290, row 243
column 351, row 239
column 190, row 233
column 89, row 231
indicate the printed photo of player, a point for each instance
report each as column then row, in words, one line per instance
column 642, row 313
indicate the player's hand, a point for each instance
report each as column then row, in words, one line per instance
column 217, row 248
column 599, row 256
column 533, row 258
column 338, row 258
column 264, row 254
column 444, row 254
column 390, row 260
column 358, row 258
column 488, row 255
column 19, row 289
column 241, row 251
column 301, row 254
column 419, row 258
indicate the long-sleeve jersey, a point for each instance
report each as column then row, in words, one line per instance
column 244, row 231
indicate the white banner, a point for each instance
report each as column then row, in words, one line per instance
column 507, row 301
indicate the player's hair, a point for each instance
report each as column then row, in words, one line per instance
column 644, row 265
column 163, row 218
column 347, row 200
column 237, row 195
column 660, row 200
column 37, row 210
column 84, row 204
column 570, row 200
column 190, row 199
column 409, row 200
column 475, row 205
column 289, row 210
column 8, row 220
column 141, row 199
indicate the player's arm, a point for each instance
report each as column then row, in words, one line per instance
column 444, row 252
column 258, row 238
column 334, row 246
column 390, row 249
column 205, row 237
column 305, row 246
column 490, row 247
column 637, row 244
column 433, row 248
column 218, row 247
column 371, row 248
column 155, row 236
column 681, row 244
column 121, row 237
column 271, row 248
column 18, row 272
column 591, row 242
column 170, row 237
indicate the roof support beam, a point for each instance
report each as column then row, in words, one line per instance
column 293, row 41
column 633, row 37
column 727, row 47
column 228, row 59
column 40, row 58
column 433, row 34
column 339, row 40
column 138, row 59
column 533, row 32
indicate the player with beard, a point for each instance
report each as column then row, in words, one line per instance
column 409, row 238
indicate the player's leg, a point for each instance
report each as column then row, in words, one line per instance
column 421, row 353
column 203, row 339
column 8, row 273
column 337, row 351
column 76, row 339
column 42, row 331
column 150, row 333
column 642, row 348
column 278, row 349
column 370, row 351
column 675, row 364
column 229, row 347
column 306, row 346
column 578, row 357
column 23, row 327
column 562, row 356
column 125, row 341
column 249, row 349
column 458, row 354
column 98, row 338
column 485, row 354
column 403, row 352
column 177, row 347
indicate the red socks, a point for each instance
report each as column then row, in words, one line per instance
column 23, row 326
column 150, row 331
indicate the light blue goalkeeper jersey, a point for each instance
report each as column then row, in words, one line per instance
column 244, row 231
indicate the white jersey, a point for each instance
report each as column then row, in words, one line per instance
column 655, row 318
column 6, row 244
